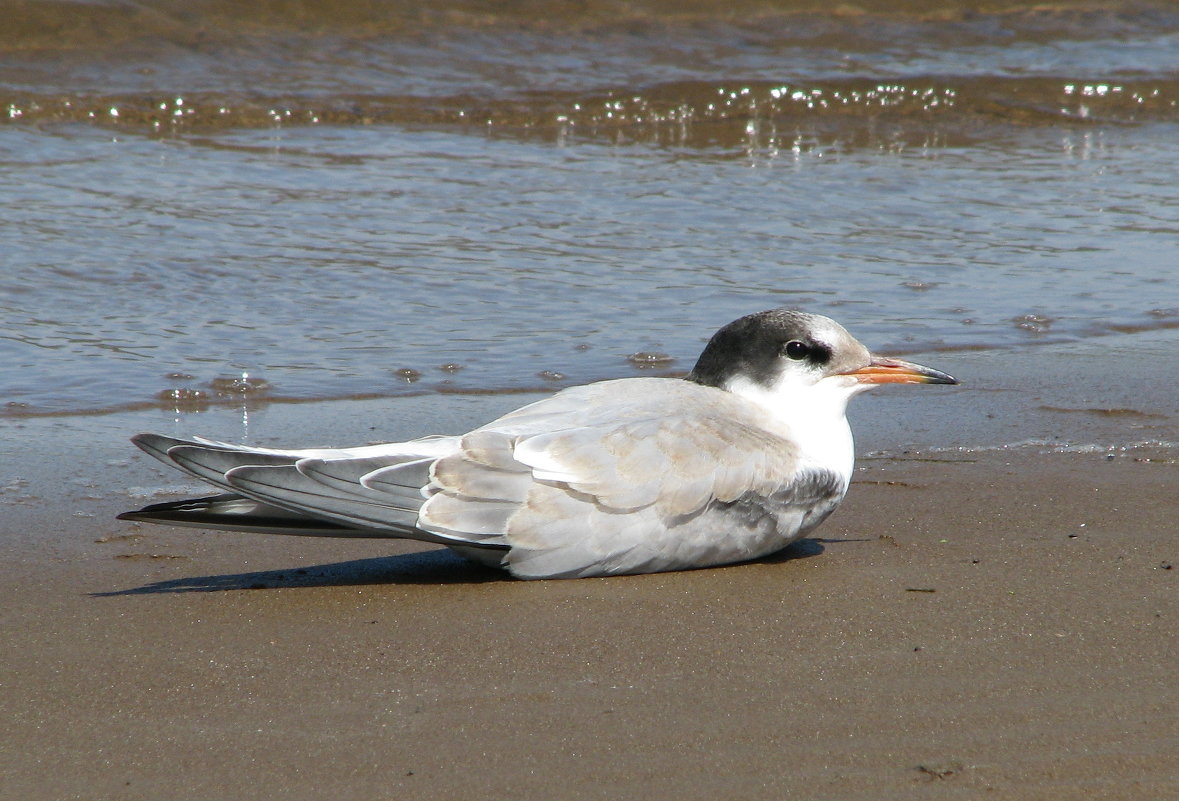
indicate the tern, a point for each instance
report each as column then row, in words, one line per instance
column 743, row 456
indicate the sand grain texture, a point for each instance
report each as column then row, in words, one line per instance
column 959, row 631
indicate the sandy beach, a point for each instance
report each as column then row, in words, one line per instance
column 308, row 223
column 984, row 625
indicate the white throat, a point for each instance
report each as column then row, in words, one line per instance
column 812, row 414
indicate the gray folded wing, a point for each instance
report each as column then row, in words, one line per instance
column 297, row 491
column 619, row 477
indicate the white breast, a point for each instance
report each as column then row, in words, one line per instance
column 810, row 413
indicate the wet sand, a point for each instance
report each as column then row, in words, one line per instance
column 998, row 626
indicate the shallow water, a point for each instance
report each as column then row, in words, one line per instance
column 342, row 204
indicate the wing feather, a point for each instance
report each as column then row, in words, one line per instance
column 457, row 475
column 663, row 475
column 211, row 464
column 286, row 487
column 348, row 475
column 678, row 463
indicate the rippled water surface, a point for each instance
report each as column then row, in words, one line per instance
column 341, row 204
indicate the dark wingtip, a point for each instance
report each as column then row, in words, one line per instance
column 143, row 515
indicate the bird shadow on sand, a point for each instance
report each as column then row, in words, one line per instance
column 424, row 567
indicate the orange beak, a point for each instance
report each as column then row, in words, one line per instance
column 895, row 371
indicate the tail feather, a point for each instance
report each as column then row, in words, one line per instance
column 237, row 513
column 315, row 492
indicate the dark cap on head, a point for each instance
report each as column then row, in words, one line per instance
column 754, row 346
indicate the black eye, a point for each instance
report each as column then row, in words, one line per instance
column 797, row 350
